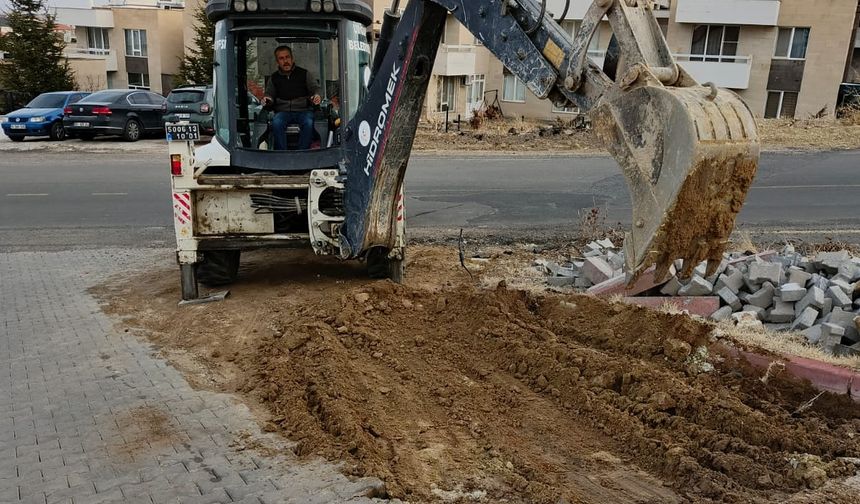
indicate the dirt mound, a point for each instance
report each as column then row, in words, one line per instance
column 452, row 393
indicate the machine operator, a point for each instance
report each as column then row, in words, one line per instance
column 291, row 92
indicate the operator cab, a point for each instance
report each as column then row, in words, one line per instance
column 327, row 38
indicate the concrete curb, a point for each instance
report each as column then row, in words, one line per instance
column 822, row 375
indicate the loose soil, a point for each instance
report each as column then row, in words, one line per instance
column 453, row 389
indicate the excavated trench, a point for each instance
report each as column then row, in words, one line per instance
column 453, row 392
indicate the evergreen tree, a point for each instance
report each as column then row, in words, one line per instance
column 196, row 66
column 35, row 51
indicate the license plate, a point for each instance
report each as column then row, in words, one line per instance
column 81, row 125
column 182, row 132
column 18, row 126
column 184, row 116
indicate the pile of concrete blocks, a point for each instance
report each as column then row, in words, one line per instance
column 818, row 295
column 601, row 260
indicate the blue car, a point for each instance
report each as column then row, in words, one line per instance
column 41, row 117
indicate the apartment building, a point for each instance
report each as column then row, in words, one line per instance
column 785, row 58
column 458, row 83
column 466, row 74
column 852, row 66
column 126, row 43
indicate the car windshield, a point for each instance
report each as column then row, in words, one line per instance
column 185, row 96
column 48, row 100
column 103, row 97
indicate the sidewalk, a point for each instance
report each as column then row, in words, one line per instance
column 98, row 145
column 90, row 415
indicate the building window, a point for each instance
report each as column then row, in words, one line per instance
column 791, row 43
column 446, row 94
column 780, row 104
column 714, row 43
column 474, row 92
column 514, row 89
column 565, row 110
column 98, row 41
column 138, row 81
column 135, row 43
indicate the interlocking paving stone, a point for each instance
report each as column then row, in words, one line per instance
column 74, row 388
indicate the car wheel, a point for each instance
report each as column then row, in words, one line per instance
column 132, row 131
column 85, row 136
column 219, row 267
column 58, row 132
column 16, row 138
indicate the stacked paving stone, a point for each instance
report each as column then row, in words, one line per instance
column 818, row 295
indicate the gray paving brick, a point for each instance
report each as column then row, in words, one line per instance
column 112, row 496
column 61, row 399
column 75, row 492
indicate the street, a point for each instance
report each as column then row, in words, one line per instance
column 79, row 199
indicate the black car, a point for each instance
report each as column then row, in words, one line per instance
column 130, row 113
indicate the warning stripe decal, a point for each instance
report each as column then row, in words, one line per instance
column 399, row 207
column 182, row 207
column 184, row 199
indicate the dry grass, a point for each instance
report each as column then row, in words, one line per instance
column 742, row 242
column 513, row 135
column 787, row 343
column 810, row 134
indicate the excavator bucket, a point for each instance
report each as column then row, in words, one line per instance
column 689, row 155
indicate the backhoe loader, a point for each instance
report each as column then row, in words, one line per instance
column 688, row 151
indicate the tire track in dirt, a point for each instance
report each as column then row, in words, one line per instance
column 451, row 393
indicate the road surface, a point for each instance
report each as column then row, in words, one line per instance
column 61, row 200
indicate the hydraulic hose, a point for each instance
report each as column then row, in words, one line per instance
column 533, row 29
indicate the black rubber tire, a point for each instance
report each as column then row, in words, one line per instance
column 16, row 138
column 380, row 266
column 86, row 136
column 219, row 267
column 133, row 130
column 58, row 132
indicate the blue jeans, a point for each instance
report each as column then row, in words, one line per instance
column 305, row 120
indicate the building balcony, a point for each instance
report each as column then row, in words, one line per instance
column 723, row 12
column 578, row 8
column 731, row 72
column 83, row 53
column 455, row 60
column 76, row 16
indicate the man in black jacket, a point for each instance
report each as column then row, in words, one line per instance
column 291, row 90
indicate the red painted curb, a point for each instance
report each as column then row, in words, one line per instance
column 618, row 285
column 822, row 376
column 695, row 305
column 764, row 256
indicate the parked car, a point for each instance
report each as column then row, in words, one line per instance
column 195, row 104
column 130, row 113
column 43, row 116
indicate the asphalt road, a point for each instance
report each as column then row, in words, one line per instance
column 74, row 199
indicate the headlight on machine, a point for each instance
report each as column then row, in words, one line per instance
column 328, row 6
column 3, row 119
column 239, row 6
column 251, row 5
column 37, row 119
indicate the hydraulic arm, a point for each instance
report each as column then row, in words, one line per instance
column 688, row 151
